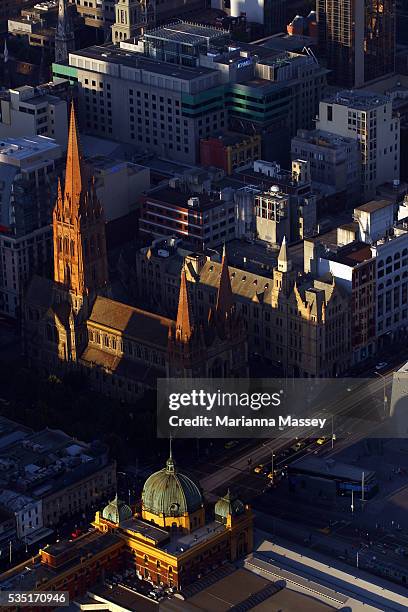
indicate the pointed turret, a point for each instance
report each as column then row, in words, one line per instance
column 184, row 324
column 284, row 263
column 225, row 300
column 64, row 35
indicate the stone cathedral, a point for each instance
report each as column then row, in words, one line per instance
column 71, row 321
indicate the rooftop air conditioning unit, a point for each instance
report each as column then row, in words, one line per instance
column 193, row 202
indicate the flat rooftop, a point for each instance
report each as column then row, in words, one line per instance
column 285, row 42
column 228, row 138
column 111, row 54
column 45, row 461
column 123, row 597
column 27, row 575
column 349, row 255
column 354, row 254
column 174, row 544
column 323, row 467
column 247, row 590
column 10, row 432
column 362, row 100
column 102, row 163
column 146, row 530
column 324, row 139
column 186, row 33
column 18, row 149
column 180, row 198
column 374, row 205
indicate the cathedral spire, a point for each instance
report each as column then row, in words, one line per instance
column 184, row 323
column 75, row 180
column 64, row 35
column 225, row 300
column 6, row 69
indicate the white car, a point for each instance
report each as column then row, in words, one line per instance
column 381, row 365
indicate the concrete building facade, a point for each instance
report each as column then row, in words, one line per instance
column 368, row 119
column 27, row 111
column 391, row 254
column 184, row 82
column 351, row 263
column 28, row 174
column 334, row 161
column 201, row 220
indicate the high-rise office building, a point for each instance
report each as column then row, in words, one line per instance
column 358, row 39
column 179, row 83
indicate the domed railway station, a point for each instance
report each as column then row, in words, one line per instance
column 174, row 537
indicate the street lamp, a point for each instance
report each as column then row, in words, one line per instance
column 384, row 379
column 333, row 435
column 25, row 538
column 273, row 455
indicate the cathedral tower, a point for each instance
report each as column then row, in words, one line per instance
column 80, row 261
column 284, row 276
column 187, row 350
column 225, row 318
column 64, row 35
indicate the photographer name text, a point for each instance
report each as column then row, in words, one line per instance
column 244, row 421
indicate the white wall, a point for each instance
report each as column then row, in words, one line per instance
column 342, row 273
column 118, row 188
column 254, row 9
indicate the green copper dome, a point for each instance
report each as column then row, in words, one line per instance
column 228, row 505
column 116, row 511
column 170, row 493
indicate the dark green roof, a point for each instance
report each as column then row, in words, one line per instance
column 170, row 493
column 226, row 505
column 116, row 511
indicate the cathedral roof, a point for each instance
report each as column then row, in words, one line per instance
column 243, row 283
column 132, row 322
column 121, row 366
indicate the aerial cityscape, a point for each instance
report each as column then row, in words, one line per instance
column 204, row 305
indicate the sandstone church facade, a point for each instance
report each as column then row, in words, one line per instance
column 71, row 321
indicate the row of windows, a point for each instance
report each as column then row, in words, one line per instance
column 127, row 347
